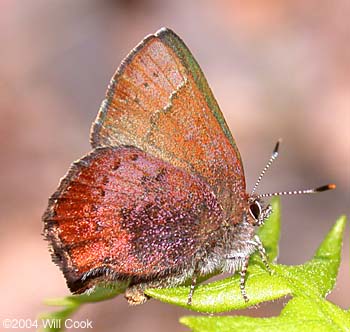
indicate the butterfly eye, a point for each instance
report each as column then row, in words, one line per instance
column 255, row 210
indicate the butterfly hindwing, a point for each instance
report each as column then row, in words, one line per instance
column 123, row 212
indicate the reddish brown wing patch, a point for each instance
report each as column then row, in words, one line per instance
column 141, row 87
column 154, row 102
column 121, row 211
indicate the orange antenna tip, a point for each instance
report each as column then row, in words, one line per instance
column 330, row 186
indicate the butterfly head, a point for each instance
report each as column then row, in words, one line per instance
column 258, row 210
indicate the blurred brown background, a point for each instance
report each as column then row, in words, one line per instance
column 277, row 69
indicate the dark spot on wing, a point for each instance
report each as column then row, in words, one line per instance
column 105, row 180
column 116, row 165
column 160, row 175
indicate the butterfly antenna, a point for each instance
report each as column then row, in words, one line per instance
column 326, row 187
column 269, row 163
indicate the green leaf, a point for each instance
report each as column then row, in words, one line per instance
column 72, row 303
column 225, row 295
column 300, row 314
column 317, row 276
column 269, row 233
column 308, row 310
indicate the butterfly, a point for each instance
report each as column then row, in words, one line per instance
column 161, row 198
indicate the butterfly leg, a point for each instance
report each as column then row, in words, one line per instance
column 259, row 246
column 243, row 273
column 193, row 285
column 135, row 294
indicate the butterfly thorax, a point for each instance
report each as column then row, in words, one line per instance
column 235, row 240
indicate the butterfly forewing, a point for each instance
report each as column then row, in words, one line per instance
column 123, row 211
column 160, row 102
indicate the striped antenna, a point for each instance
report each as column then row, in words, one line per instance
column 269, row 163
column 300, row 192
